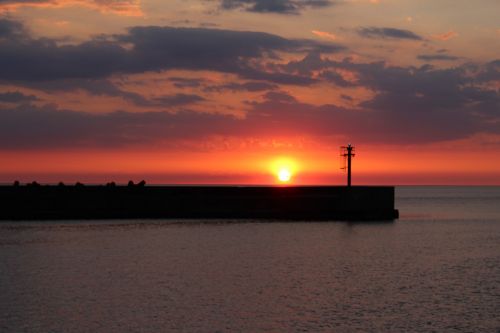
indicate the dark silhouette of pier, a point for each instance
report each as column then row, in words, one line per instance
column 111, row 201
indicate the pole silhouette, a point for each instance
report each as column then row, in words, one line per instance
column 348, row 154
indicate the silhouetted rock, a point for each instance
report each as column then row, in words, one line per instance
column 130, row 183
column 142, row 183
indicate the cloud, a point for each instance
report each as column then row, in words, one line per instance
column 347, row 98
column 16, row 97
column 274, row 6
column 95, row 87
column 118, row 7
column 151, row 48
column 388, row 33
column 177, row 100
column 445, row 36
column 103, row 87
column 252, row 86
column 11, row 29
column 336, row 78
column 324, row 34
column 311, row 62
column 43, row 59
column 387, row 119
column 411, row 106
column 181, row 83
column 408, row 104
column 280, row 97
column 437, row 57
column 413, row 90
column 49, row 127
column 487, row 73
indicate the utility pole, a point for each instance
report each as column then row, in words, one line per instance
column 349, row 159
column 348, row 153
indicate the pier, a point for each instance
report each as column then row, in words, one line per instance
column 321, row 203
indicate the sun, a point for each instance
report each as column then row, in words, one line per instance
column 284, row 175
column 284, row 169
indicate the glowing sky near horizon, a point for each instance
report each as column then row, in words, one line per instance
column 236, row 91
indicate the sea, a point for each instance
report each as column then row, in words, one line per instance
column 435, row 269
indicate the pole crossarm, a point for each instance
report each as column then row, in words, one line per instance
column 348, row 153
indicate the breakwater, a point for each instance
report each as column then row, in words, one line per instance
column 206, row 202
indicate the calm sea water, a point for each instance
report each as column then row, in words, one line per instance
column 435, row 269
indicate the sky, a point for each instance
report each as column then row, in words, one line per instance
column 236, row 91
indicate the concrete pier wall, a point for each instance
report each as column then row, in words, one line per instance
column 255, row 202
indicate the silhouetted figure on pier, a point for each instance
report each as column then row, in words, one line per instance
column 142, row 183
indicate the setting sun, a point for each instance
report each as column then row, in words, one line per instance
column 284, row 169
column 284, row 175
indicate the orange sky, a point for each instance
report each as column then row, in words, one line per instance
column 220, row 91
column 371, row 166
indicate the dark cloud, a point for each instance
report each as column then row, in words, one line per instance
column 489, row 72
column 381, row 125
column 409, row 105
column 96, row 87
column 336, row 79
column 180, row 82
column 198, row 48
column 388, row 33
column 150, row 49
column 11, row 28
column 16, row 97
column 43, row 59
column 311, row 62
column 277, row 77
column 103, row 87
column 31, row 127
column 252, row 86
column 274, row 6
column 392, row 116
column 279, row 97
column 457, row 93
column 437, row 57
column 380, row 77
column 177, row 100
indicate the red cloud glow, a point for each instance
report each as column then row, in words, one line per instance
column 324, row 34
column 118, row 7
column 445, row 36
